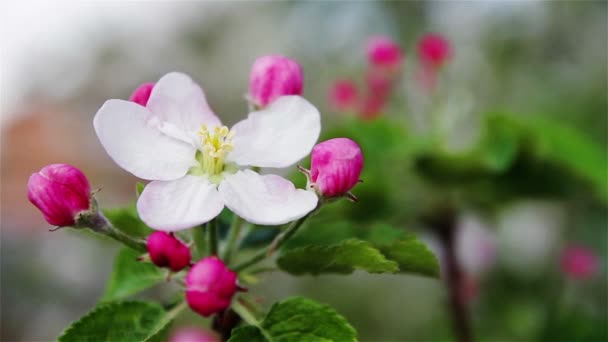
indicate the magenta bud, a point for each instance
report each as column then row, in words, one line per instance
column 142, row 94
column 434, row 50
column 335, row 166
column 193, row 334
column 210, row 286
column 273, row 76
column 579, row 262
column 166, row 250
column 384, row 53
column 343, row 95
column 60, row 192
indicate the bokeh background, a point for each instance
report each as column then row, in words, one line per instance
column 535, row 63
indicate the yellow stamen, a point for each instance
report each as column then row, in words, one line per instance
column 215, row 146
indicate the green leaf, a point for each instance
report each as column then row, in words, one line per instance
column 127, row 220
column 344, row 257
column 139, row 188
column 248, row 333
column 298, row 319
column 130, row 276
column 412, row 256
column 121, row 321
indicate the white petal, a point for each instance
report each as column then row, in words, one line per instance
column 179, row 204
column 177, row 99
column 278, row 136
column 131, row 136
column 268, row 200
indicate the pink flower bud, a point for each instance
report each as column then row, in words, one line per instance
column 142, row 94
column 343, row 95
column 579, row 262
column 384, row 53
column 372, row 107
column 60, row 192
column 210, row 286
column 335, row 166
column 273, row 76
column 434, row 50
column 167, row 251
column 193, row 334
column 378, row 83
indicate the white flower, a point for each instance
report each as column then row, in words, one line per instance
column 197, row 166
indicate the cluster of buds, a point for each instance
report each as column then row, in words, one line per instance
column 385, row 60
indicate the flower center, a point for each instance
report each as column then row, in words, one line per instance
column 215, row 145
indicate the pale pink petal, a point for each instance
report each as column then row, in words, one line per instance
column 266, row 200
column 278, row 136
column 177, row 99
column 179, row 204
column 131, row 135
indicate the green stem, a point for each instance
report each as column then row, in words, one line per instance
column 233, row 236
column 200, row 240
column 276, row 244
column 100, row 224
column 212, row 232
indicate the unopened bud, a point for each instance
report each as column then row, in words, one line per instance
column 61, row 192
column 141, row 95
column 166, row 250
column 273, row 76
column 210, row 286
column 335, row 167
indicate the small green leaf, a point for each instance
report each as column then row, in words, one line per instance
column 412, row 256
column 127, row 220
column 139, row 188
column 248, row 333
column 121, row 321
column 344, row 257
column 298, row 319
column 130, row 276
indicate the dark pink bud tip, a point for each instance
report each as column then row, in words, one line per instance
column 384, row 53
column 579, row 262
column 167, row 251
column 434, row 50
column 273, row 76
column 210, row 286
column 141, row 95
column 60, row 192
column 335, row 166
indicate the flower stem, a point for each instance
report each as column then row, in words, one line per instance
column 276, row 244
column 212, row 236
column 200, row 240
column 233, row 236
column 100, row 224
column 445, row 226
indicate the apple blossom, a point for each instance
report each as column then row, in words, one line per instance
column 166, row 250
column 335, row 167
column 61, row 192
column 384, row 53
column 210, row 286
column 273, row 76
column 197, row 166
column 142, row 94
